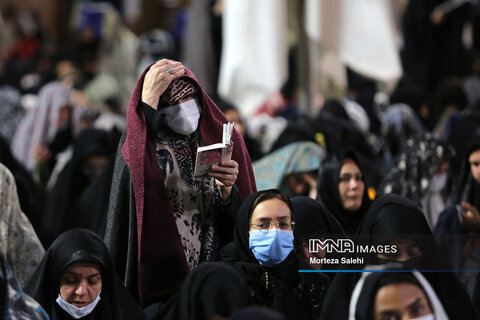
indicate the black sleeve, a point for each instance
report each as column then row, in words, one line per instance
column 154, row 120
column 226, row 215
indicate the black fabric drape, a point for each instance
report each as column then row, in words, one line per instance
column 280, row 287
column 256, row 313
column 212, row 288
column 314, row 221
column 393, row 217
column 466, row 187
column 460, row 244
column 30, row 195
column 75, row 201
column 364, row 306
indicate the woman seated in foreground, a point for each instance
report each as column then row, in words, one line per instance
column 263, row 251
column 76, row 280
column 395, row 295
column 394, row 221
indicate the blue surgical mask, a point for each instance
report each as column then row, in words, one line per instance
column 272, row 246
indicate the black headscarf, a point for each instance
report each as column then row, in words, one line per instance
column 312, row 218
column 340, row 131
column 457, row 240
column 256, row 313
column 75, row 201
column 466, row 187
column 280, row 287
column 239, row 250
column 467, row 126
column 299, row 128
column 212, row 288
column 314, row 221
column 327, row 186
column 81, row 245
column 393, row 217
column 372, row 282
column 30, row 194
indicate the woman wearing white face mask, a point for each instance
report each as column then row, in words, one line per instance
column 76, row 280
column 163, row 221
column 263, row 253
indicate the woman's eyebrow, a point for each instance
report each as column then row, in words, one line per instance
column 79, row 275
column 414, row 303
column 413, row 245
column 350, row 173
column 270, row 218
column 263, row 218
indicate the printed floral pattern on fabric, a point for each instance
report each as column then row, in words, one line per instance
column 416, row 166
column 18, row 240
column 11, row 112
column 190, row 198
column 183, row 155
column 293, row 158
column 211, row 243
column 165, row 159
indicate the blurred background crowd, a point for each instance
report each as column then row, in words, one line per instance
column 396, row 81
column 367, row 75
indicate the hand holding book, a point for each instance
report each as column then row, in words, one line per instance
column 215, row 161
column 214, row 154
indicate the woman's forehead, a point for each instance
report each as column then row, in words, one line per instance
column 272, row 208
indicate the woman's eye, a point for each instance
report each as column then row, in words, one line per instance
column 69, row 280
column 392, row 256
column 415, row 251
column 283, row 225
column 416, row 310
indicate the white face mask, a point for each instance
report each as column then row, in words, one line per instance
column 76, row 312
column 427, row 317
column 182, row 118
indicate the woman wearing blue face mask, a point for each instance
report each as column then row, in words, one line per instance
column 263, row 251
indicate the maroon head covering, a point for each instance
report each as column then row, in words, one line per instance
column 161, row 260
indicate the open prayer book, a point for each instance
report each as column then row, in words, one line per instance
column 207, row 156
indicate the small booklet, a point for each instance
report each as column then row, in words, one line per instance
column 207, row 156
